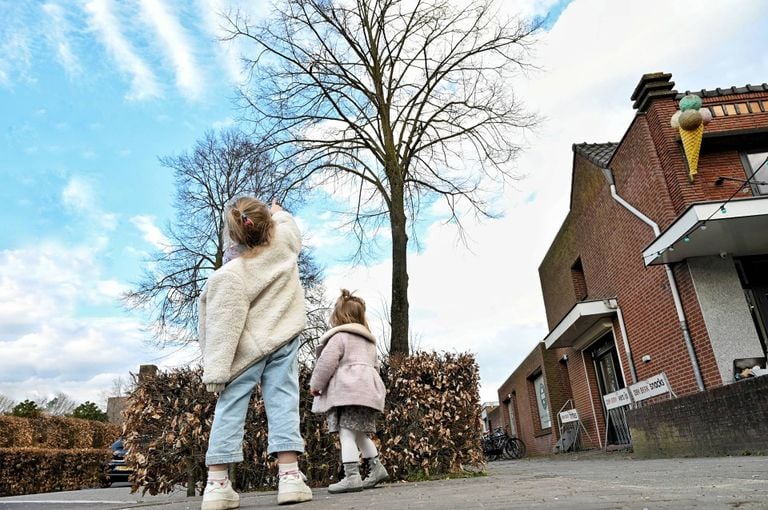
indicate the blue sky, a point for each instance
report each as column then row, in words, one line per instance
column 92, row 92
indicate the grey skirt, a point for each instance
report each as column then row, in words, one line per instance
column 358, row 418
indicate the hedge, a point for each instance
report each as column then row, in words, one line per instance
column 35, row 470
column 57, row 432
column 430, row 427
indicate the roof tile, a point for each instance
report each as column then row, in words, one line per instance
column 598, row 153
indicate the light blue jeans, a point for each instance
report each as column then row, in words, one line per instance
column 278, row 374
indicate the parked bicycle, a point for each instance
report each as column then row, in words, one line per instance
column 500, row 444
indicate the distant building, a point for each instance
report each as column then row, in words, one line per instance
column 489, row 415
column 116, row 405
column 653, row 271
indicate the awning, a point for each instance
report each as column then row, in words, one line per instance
column 579, row 320
column 739, row 228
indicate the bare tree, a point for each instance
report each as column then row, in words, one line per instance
column 402, row 101
column 60, row 405
column 220, row 167
column 317, row 309
column 121, row 387
column 6, row 404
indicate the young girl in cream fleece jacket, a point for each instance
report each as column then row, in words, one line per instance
column 251, row 313
column 347, row 387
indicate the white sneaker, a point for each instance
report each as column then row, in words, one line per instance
column 220, row 496
column 293, row 489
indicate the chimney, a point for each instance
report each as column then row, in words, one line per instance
column 652, row 86
column 146, row 372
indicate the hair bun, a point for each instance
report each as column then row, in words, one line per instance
column 346, row 295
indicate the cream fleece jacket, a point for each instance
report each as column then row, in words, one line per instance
column 252, row 306
column 347, row 370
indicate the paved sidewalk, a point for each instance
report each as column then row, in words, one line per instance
column 580, row 481
column 612, row 481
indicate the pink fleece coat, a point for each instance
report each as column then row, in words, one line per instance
column 347, row 370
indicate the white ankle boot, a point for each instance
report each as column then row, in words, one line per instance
column 351, row 481
column 376, row 473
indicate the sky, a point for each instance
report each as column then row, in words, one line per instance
column 93, row 92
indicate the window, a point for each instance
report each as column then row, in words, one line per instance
column 731, row 109
column 543, row 401
column 511, row 411
column 579, row 282
column 752, row 162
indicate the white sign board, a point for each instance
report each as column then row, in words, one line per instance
column 651, row 387
column 617, row 399
column 569, row 416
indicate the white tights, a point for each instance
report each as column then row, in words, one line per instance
column 351, row 440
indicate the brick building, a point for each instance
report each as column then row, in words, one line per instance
column 652, row 271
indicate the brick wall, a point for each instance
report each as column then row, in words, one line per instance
column 715, row 160
column 517, row 391
column 729, row 420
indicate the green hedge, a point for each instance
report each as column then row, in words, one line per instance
column 431, row 426
column 35, row 470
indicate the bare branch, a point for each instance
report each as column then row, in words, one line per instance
column 407, row 99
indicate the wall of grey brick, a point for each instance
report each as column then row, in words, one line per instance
column 729, row 420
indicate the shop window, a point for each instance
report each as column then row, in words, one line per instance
column 542, row 401
column 759, row 182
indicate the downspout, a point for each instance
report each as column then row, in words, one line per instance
column 670, row 276
column 623, row 329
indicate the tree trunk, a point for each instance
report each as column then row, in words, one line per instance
column 191, row 478
column 399, row 305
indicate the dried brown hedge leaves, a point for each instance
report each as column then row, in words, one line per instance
column 430, row 426
column 50, row 453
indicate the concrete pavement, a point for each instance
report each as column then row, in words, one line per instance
column 585, row 481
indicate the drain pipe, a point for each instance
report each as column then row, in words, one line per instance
column 670, row 276
column 624, row 337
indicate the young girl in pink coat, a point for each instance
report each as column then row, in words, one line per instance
column 347, row 387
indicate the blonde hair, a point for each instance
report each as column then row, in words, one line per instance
column 349, row 309
column 250, row 223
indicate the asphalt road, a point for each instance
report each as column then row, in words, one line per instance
column 583, row 482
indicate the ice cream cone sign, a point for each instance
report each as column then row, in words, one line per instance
column 690, row 121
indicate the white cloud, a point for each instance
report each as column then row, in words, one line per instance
column 143, row 82
column 15, row 46
column 51, row 341
column 78, row 194
column 223, row 123
column 151, row 232
column 57, row 31
column 175, row 43
column 211, row 13
column 212, row 17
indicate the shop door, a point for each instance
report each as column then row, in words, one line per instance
column 753, row 272
column 609, row 379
